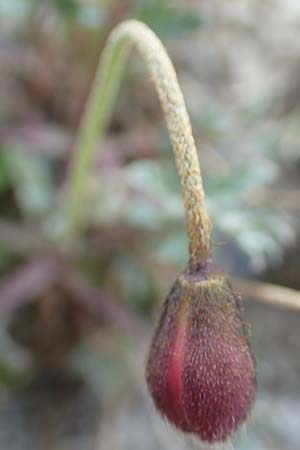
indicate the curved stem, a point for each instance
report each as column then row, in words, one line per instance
column 97, row 113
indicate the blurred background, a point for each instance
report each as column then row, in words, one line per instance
column 76, row 320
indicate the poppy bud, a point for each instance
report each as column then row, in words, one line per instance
column 200, row 370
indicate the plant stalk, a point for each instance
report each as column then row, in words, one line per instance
column 97, row 113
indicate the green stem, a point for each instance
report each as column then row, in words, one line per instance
column 97, row 113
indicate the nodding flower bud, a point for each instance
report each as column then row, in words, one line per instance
column 200, row 370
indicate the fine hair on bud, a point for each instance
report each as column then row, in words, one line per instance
column 200, row 370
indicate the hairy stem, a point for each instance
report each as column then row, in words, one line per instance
column 97, row 113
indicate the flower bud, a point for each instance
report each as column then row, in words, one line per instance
column 200, row 370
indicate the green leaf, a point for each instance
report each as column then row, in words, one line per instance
column 4, row 173
column 167, row 19
column 31, row 178
column 67, row 7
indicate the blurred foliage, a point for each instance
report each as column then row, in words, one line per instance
column 134, row 234
column 259, row 231
column 241, row 86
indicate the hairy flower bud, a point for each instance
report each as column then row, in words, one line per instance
column 200, row 370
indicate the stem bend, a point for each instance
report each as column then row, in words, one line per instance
column 98, row 111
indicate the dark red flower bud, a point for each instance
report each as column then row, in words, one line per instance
column 200, row 370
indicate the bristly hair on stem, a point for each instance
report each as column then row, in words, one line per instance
column 200, row 369
column 97, row 113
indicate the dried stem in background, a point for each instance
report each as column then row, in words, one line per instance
column 268, row 293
